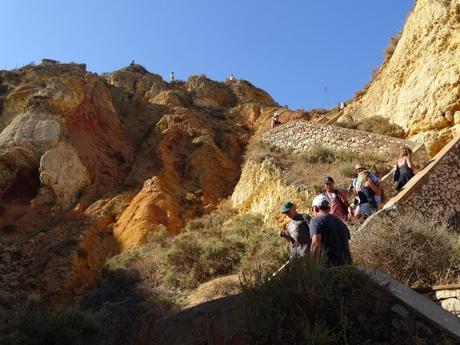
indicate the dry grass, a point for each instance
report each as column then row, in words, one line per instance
column 216, row 288
column 375, row 124
column 414, row 250
column 308, row 304
column 59, row 327
column 394, row 40
column 219, row 244
column 307, row 170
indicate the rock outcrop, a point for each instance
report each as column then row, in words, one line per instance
column 92, row 165
column 262, row 189
column 418, row 87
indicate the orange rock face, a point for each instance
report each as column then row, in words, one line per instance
column 92, row 165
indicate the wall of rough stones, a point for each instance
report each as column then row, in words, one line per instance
column 434, row 191
column 447, row 298
column 420, row 159
column 300, row 136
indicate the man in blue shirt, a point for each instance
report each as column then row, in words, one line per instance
column 330, row 236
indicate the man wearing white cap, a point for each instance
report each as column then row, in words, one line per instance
column 330, row 236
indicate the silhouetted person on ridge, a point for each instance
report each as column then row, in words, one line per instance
column 172, row 77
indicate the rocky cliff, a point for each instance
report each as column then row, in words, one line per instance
column 418, row 86
column 90, row 165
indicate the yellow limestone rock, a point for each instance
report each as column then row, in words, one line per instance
column 418, row 88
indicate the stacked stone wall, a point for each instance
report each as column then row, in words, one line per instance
column 300, row 136
column 434, row 191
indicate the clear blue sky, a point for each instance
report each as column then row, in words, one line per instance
column 291, row 48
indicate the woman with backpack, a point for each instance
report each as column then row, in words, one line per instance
column 404, row 169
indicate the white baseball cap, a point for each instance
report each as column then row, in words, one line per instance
column 320, row 201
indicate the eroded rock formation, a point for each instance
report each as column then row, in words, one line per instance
column 91, row 165
column 418, row 87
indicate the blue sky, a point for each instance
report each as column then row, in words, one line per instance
column 294, row 49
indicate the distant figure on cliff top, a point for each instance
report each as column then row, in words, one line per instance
column 337, row 200
column 297, row 232
column 172, row 77
column 342, row 105
column 276, row 120
column 132, row 63
column 231, row 78
column 404, row 169
column 329, row 235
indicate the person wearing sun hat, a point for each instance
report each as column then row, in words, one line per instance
column 368, row 183
column 329, row 235
column 297, row 231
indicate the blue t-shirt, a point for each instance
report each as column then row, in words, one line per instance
column 334, row 239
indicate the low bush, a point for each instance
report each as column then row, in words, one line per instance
column 306, row 304
column 307, row 170
column 257, row 151
column 375, row 124
column 212, row 249
column 60, row 327
column 411, row 248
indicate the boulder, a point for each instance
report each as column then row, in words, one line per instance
column 62, row 171
column 210, row 94
column 245, row 92
column 168, row 97
column 138, row 81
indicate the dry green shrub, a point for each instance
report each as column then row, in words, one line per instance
column 375, row 124
column 307, row 170
column 411, row 248
column 211, row 248
column 257, row 151
column 319, row 154
column 307, row 304
column 59, row 327
column 381, row 125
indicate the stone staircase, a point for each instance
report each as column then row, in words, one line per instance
column 434, row 191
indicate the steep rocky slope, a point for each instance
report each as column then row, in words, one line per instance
column 418, row 88
column 91, row 165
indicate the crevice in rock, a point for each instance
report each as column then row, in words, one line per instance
column 24, row 188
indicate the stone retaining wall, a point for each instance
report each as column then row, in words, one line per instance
column 448, row 299
column 301, row 136
column 420, row 159
column 434, row 191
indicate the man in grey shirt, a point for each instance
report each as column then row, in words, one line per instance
column 298, row 232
